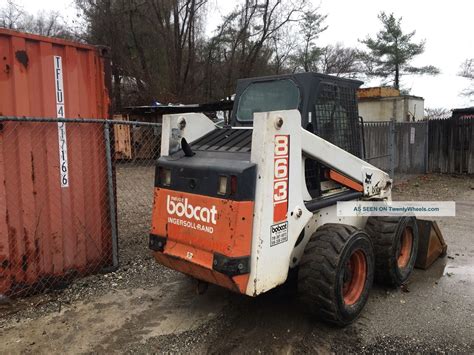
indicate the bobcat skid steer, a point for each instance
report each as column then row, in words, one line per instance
column 247, row 205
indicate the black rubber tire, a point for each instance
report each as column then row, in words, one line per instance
column 321, row 272
column 386, row 233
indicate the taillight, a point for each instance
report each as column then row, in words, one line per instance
column 165, row 176
column 233, row 185
column 222, row 188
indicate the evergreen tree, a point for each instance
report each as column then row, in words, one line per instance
column 391, row 51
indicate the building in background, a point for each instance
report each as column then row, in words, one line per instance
column 386, row 104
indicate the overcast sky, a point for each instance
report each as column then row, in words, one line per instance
column 447, row 27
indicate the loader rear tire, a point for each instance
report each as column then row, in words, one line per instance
column 336, row 273
column 395, row 241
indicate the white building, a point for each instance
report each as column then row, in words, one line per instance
column 385, row 104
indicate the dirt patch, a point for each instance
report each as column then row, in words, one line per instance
column 432, row 187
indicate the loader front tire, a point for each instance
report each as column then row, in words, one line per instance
column 395, row 241
column 336, row 273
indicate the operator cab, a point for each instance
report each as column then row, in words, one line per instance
column 327, row 104
column 328, row 108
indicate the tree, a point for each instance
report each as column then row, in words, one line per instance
column 47, row 24
column 244, row 44
column 340, row 61
column 177, row 24
column 467, row 71
column 283, row 46
column 437, row 113
column 106, row 24
column 154, row 46
column 11, row 16
column 308, row 54
column 14, row 17
column 391, row 51
column 159, row 50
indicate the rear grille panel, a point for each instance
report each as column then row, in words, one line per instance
column 225, row 140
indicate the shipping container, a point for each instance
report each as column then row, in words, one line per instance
column 54, row 216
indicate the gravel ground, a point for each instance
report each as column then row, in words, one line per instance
column 143, row 307
column 137, row 267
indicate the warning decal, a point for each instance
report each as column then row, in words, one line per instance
column 278, row 233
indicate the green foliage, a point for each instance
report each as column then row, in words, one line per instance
column 391, row 51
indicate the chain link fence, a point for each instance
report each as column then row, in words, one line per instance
column 76, row 194
column 137, row 147
column 72, row 192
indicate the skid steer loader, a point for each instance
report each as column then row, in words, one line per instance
column 246, row 205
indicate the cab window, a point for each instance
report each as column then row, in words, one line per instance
column 267, row 96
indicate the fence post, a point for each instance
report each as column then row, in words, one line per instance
column 391, row 148
column 362, row 138
column 110, row 185
column 427, row 146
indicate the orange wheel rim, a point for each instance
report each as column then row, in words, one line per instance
column 406, row 244
column 355, row 275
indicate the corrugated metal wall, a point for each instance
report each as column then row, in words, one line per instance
column 47, row 230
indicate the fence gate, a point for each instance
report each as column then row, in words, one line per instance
column 411, row 147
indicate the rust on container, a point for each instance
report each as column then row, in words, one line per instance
column 50, row 230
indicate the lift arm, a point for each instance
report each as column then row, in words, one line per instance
column 374, row 180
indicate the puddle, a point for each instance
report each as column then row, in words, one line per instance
column 441, row 268
column 464, row 271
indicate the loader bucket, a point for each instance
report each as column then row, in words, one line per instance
column 431, row 244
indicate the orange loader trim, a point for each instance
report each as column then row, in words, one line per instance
column 196, row 228
column 343, row 180
column 236, row 283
